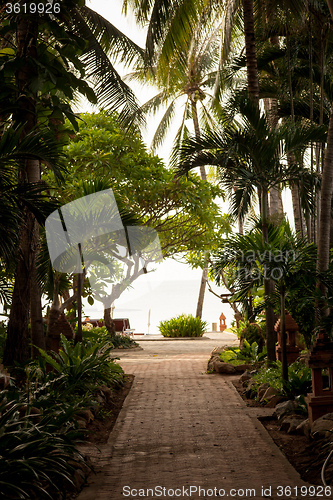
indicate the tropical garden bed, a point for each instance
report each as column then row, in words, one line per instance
column 100, row 428
column 262, row 386
column 56, row 402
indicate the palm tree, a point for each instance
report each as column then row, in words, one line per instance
column 78, row 38
column 17, row 200
column 284, row 259
column 250, row 157
column 189, row 74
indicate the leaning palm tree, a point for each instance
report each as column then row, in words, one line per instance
column 251, row 156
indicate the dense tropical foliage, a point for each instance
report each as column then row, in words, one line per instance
column 251, row 86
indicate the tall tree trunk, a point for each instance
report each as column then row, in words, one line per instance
column 202, row 292
column 253, row 90
column 109, row 323
column 325, row 204
column 311, row 219
column 17, row 344
column 283, row 336
column 269, row 287
column 274, row 204
column 297, row 210
column 203, row 176
column 197, row 132
column 36, row 315
column 250, row 48
column 271, row 108
column 79, row 335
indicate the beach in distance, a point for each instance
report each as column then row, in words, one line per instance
column 168, row 292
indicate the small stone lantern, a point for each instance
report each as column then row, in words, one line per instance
column 292, row 349
column 223, row 326
column 320, row 357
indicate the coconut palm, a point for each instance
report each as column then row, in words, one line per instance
column 189, row 74
column 249, row 155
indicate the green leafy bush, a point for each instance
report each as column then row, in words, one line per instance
column 183, row 326
column 299, row 378
column 123, row 341
column 100, row 335
column 252, row 332
column 35, row 450
column 248, row 354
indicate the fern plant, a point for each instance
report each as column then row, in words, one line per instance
column 83, row 366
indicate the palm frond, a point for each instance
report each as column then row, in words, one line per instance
column 163, row 126
column 113, row 94
column 38, row 144
column 171, row 22
column 111, row 39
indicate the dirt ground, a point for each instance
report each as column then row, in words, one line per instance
column 100, row 428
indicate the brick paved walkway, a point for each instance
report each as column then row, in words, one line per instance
column 181, row 428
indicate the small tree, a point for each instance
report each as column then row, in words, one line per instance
column 282, row 260
column 182, row 212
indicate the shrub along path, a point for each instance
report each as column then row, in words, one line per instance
column 182, row 429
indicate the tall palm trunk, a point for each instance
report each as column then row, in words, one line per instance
column 17, row 344
column 275, row 199
column 326, row 195
column 269, row 286
column 325, row 203
column 298, row 216
column 36, row 315
column 283, row 335
column 250, row 48
column 203, row 176
column 253, row 90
